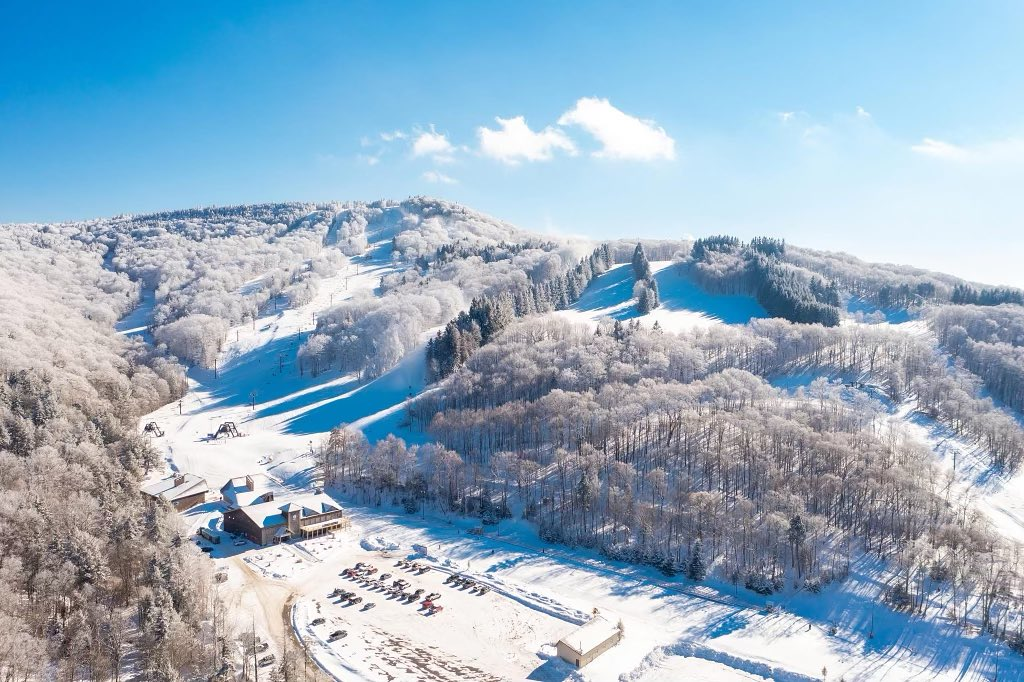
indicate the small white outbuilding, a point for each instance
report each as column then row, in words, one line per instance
column 588, row 641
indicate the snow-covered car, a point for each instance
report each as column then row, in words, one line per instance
column 336, row 635
column 267, row 660
column 239, row 542
column 318, row 621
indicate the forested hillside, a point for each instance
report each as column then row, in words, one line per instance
column 85, row 565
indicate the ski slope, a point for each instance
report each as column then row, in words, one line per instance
column 682, row 304
column 281, row 413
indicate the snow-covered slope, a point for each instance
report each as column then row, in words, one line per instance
column 683, row 305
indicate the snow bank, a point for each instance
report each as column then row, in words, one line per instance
column 706, row 653
column 378, row 544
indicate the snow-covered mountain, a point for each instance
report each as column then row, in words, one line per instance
column 768, row 462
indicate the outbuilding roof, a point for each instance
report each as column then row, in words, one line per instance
column 591, row 634
column 177, row 487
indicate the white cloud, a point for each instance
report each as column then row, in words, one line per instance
column 621, row 136
column 393, row 135
column 439, row 178
column 786, row 116
column 862, row 112
column 370, row 159
column 514, row 142
column 939, row 149
column 1008, row 150
column 434, row 144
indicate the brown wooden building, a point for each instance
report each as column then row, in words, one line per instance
column 183, row 491
column 282, row 520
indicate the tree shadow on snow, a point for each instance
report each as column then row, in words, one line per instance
column 611, row 293
column 389, row 390
column 677, row 292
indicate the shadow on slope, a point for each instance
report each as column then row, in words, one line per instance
column 267, row 369
column 678, row 292
column 364, row 405
column 868, row 310
column 610, row 294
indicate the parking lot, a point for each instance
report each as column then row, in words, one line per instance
column 462, row 631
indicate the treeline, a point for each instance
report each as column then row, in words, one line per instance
column 645, row 290
column 488, row 315
column 905, row 295
column 964, row 294
column 488, row 253
column 555, row 355
column 95, row 582
column 724, row 264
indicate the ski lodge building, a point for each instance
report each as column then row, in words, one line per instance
column 272, row 522
column 589, row 641
column 183, row 491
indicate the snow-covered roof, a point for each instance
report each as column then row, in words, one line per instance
column 236, row 491
column 591, row 634
column 270, row 514
column 176, row 487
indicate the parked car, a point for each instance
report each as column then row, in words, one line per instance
column 262, row 646
column 369, row 605
column 206, row 550
column 336, row 635
column 318, row 621
column 267, row 660
column 239, row 542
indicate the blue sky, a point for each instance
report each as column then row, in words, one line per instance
column 891, row 130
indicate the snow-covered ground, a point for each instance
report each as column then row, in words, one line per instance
column 682, row 304
column 673, row 631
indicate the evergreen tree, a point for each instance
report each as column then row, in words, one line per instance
column 696, row 568
column 641, row 267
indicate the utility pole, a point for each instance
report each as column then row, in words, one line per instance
column 215, row 368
